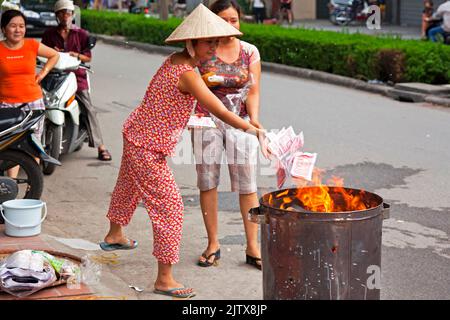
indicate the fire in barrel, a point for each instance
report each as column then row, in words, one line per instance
column 321, row 242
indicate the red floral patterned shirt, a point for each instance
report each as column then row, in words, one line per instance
column 158, row 122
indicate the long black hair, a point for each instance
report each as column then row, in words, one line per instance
column 8, row 15
column 221, row 5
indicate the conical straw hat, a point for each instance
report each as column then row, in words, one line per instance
column 202, row 23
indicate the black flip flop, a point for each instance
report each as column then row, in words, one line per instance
column 253, row 261
column 207, row 263
column 104, row 155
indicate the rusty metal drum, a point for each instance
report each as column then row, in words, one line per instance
column 320, row 255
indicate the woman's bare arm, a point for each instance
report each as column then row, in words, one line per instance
column 191, row 82
column 252, row 102
column 52, row 58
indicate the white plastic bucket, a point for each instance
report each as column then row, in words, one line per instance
column 23, row 217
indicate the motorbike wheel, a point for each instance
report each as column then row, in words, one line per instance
column 30, row 179
column 53, row 138
column 333, row 19
column 342, row 18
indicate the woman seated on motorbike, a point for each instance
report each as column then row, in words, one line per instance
column 20, row 83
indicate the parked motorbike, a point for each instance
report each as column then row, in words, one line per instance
column 343, row 12
column 19, row 147
column 66, row 126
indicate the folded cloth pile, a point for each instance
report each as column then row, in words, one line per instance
column 25, row 272
column 286, row 146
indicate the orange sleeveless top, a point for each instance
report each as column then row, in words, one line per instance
column 17, row 73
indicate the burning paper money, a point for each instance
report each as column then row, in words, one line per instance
column 291, row 161
column 303, row 165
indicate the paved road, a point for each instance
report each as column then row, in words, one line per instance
column 398, row 150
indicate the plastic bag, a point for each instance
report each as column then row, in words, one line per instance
column 24, row 273
column 90, row 270
column 235, row 101
column 63, row 267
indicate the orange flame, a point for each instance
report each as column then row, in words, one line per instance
column 332, row 197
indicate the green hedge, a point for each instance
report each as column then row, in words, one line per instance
column 354, row 55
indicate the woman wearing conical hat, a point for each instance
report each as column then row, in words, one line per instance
column 150, row 134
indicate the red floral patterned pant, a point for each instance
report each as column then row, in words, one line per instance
column 145, row 176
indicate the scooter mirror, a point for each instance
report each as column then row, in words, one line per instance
column 92, row 41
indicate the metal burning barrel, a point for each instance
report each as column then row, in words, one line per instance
column 312, row 253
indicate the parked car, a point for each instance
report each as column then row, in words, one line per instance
column 40, row 15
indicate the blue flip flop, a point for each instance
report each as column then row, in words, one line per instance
column 118, row 246
column 171, row 293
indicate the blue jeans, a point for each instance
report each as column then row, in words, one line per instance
column 434, row 31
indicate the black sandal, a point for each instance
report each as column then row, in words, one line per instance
column 253, row 261
column 104, row 155
column 207, row 263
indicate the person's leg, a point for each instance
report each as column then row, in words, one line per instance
column 124, row 198
column 164, row 205
column 165, row 281
column 290, row 16
column 38, row 132
column 208, row 149
column 260, row 18
column 209, row 205
column 116, row 234
column 95, row 139
column 424, row 29
column 434, row 31
column 246, row 202
column 255, row 13
column 13, row 172
column 242, row 154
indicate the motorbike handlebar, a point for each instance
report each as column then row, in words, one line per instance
column 86, row 67
column 82, row 65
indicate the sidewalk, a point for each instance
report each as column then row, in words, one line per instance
column 124, row 268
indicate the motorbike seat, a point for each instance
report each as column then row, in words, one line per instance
column 10, row 117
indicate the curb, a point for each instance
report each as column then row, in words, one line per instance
column 325, row 77
column 302, row 73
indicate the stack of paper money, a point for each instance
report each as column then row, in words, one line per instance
column 286, row 146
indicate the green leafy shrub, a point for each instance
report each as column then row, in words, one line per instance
column 353, row 55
